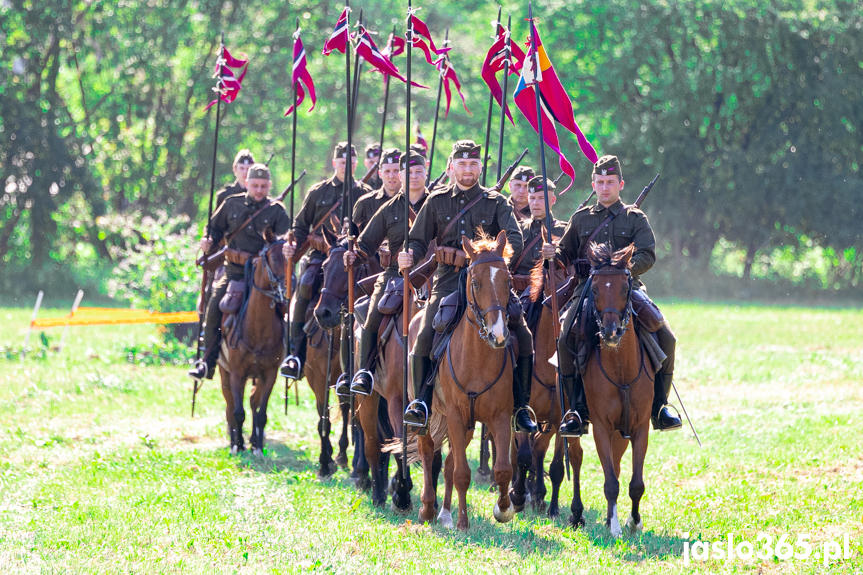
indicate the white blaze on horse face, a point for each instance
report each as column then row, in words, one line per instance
column 608, row 284
column 498, row 329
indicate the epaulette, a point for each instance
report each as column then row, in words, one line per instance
column 237, row 195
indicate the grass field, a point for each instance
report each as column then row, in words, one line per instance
column 103, row 470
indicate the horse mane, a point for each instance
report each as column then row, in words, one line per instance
column 537, row 280
column 484, row 243
column 602, row 255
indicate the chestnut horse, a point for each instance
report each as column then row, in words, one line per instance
column 377, row 427
column 253, row 346
column 618, row 381
column 545, row 402
column 475, row 389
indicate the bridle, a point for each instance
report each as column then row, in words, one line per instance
column 276, row 289
column 334, row 254
column 624, row 316
column 479, row 313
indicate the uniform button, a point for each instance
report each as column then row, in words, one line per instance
column 462, row 201
column 462, row 221
column 462, row 233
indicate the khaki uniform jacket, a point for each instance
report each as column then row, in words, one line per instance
column 228, row 191
column 530, row 229
column 387, row 224
column 318, row 201
column 367, row 205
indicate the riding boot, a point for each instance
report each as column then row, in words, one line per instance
column 343, row 384
column 575, row 421
column 661, row 416
column 418, row 411
column 364, row 379
column 522, row 417
column 292, row 366
column 206, row 367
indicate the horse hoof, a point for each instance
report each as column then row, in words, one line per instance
column 342, row 460
column 257, row 452
column 574, row 522
column 553, row 512
column 401, row 507
column 614, row 528
column 504, row 516
column 633, row 527
column 445, row 518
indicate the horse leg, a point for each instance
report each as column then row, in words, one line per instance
column 555, row 471
column 537, row 489
column 636, row 484
column 502, row 436
column 425, row 445
column 445, row 515
column 368, row 414
column 484, row 472
column 520, row 455
column 605, row 449
column 326, row 467
column 576, row 506
column 458, row 439
column 344, row 438
column 402, row 483
column 229, row 407
column 258, row 400
column 437, row 465
column 237, row 391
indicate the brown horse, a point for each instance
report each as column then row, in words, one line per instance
column 253, row 346
column 473, row 389
column 377, row 427
column 618, row 382
column 528, row 454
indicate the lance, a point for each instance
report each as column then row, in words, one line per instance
column 436, row 113
column 386, row 94
column 488, row 119
column 356, row 82
column 205, row 283
column 406, row 316
column 549, row 227
column 346, row 185
column 507, row 56
column 289, row 264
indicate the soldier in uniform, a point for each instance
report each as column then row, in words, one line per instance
column 473, row 208
column 233, row 212
column 532, row 230
column 386, row 225
column 371, row 159
column 320, row 208
column 242, row 162
column 518, row 192
column 368, row 204
column 629, row 226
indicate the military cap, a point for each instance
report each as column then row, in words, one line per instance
column 391, row 156
column 466, row 149
column 608, row 166
column 373, row 150
column 412, row 159
column 259, row 171
column 535, row 185
column 523, row 173
column 243, row 157
column 341, row 150
column 419, row 149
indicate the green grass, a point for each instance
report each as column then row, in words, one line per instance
column 103, row 470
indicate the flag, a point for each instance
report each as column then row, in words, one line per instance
column 369, row 52
column 228, row 84
column 300, row 75
column 494, row 62
column 555, row 97
column 525, row 100
column 421, row 44
column 420, row 139
column 447, row 74
column 395, row 46
column 420, row 27
column 338, row 40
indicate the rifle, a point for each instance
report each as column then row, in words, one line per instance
column 370, row 174
column 436, row 181
column 508, row 173
column 213, row 259
column 645, row 191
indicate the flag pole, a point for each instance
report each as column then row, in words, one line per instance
column 436, row 113
column 356, row 81
column 507, row 56
column 386, row 94
column 550, row 280
column 406, row 316
column 488, row 120
column 289, row 264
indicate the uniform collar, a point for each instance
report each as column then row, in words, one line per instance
column 600, row 209
column 250, row 202
column 469, row 193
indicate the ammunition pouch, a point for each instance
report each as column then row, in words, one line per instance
column 385, row 257
column 393, row 297
column 447, row 313
column 237, row 257
column 451, row 257
column 646, row 312
column 233, row 298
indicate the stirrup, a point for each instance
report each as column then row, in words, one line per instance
column 343, row 386
column 417, row 403
column 655, row 420
column 200, row 366
column 357, row 387
column 291, row 368
column 530, row 411
column 568, row 417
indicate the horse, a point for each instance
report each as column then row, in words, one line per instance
column 529, row 455
column 253, row 346
column 476, row 391
column 378, row 426
column 618, row 382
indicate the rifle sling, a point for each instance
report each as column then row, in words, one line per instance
column 524, row 251
column 595, row 232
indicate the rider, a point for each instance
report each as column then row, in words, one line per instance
column 461, row 209
column 387, row 224
column 372, row 157
column 629, row 225
column 242, row 162
column 245, row 243
column 518, row 192
column 320, row 208
column 388, row 173
column 532, row 229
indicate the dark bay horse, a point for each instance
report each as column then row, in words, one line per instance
column 253, row 346
column 377, row 426
column 618, row 381
column 545, row 402
column 476, row 380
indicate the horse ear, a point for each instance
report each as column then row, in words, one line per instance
column 593, row 255
column 624, row 256
column 329, row 237
column 501, row 242
column 467, row 246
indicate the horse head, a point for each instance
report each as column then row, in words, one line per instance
column 270, row 268
column 334, row 288
column 611, row 290
column 488, row 286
